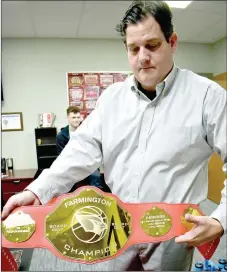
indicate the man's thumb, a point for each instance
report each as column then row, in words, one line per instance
column 192, row 218
column 8, row 208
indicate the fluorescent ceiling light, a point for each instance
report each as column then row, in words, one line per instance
column 178, row 4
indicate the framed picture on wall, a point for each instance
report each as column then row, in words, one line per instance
column 85, row 87
column 12, row 121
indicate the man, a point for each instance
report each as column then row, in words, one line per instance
column 155, row 133
column 74, row 120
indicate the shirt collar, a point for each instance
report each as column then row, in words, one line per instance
column 163, row 86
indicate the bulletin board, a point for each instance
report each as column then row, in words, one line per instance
column 84, row 88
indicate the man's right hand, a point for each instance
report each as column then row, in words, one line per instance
column 22, row 199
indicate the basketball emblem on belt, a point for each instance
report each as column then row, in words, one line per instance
column 89, row 224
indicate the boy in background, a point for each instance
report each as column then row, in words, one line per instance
column 63, row 137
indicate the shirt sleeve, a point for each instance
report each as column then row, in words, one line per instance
column 80, row 157
column 215, row 111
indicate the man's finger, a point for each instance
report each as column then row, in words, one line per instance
column 8, row 208
column 183, row 238
column 192, row 218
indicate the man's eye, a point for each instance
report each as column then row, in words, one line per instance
column 152, row 47
column 133, row 49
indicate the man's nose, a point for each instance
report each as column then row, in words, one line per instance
column 144, row 56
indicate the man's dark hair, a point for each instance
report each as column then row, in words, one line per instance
column 139, row 10
column 73, row 109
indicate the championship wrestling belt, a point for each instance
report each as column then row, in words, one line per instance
column 90, row 226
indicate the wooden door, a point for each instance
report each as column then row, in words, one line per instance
column 216, row 176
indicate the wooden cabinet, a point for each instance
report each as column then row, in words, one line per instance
column 45, row 147
column 16, row 181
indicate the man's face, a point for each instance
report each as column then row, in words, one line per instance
column 149, row 54
column 74, row 119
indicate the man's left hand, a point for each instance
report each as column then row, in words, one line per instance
column 205, row 230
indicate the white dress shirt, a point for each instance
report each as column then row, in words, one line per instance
column 152, row 151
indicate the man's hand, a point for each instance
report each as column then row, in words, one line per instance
column 205, row 230
column 22, row 199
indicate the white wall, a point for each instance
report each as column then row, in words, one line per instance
column 194, row 56
column 219, row 57
column 34, row 80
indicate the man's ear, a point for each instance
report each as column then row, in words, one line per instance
column 125, row 46
column 173, row 42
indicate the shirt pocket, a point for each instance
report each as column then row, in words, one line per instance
column 183, row 134
column 191, row 134
column 180, row 143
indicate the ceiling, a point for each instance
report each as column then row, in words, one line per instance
column 202, row 21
